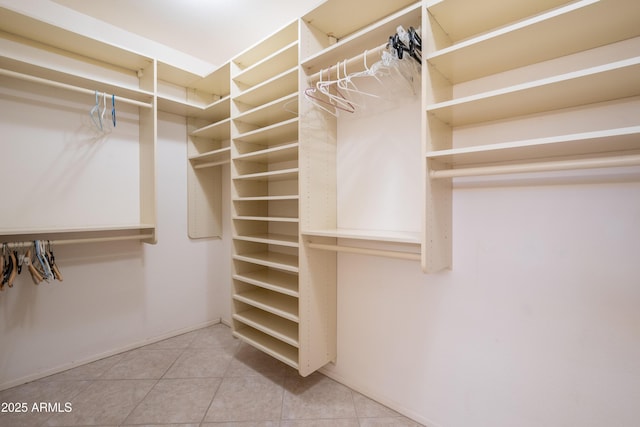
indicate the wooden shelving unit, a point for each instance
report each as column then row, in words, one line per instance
column 206, row 104
column 47, row 57
column 520, row 43
column 264, row 169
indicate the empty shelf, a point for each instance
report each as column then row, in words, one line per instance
column 596, row 84
column 279, row 328
column 275, row 280
column 272, row 346
column 271, row 259
column 271, row 239
column 409, row 237
column 537, row 39
column 273, row 302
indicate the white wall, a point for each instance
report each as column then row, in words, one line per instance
column 536, row 325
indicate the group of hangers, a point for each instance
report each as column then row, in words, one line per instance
column 36, row 256
column 330, row 92
column 97, row 114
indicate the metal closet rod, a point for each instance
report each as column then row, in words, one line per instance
column 376, row 252
column 358, row 58
column 87, row 240
column 66, row 86
column 559, row 165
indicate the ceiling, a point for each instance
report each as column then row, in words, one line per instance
column 211, row 30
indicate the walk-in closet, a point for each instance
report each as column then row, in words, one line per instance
column 325, row 212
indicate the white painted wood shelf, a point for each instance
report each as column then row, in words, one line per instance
column 284, row 262
column 274, row 280
column 535, row 39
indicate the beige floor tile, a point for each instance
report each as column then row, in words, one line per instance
column 320, row 423
column 103, row 403
column 217, row 336
column 200, row 363
column 251, row 398
column 388, row 422
column 367, row 408
column 177, row 342
column 143, row 364
column 316, row 396
column 251, row 361
column 243, row 424
column 175, row 401
column 37, row 392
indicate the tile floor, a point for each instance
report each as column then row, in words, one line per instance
column 203, row 378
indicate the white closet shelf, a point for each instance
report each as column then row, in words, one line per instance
column 461, row 19
column 279, row 153
column 214, row 111
column 277, row 132
column 277, row 175
column 254, row 54
column 343, row 19
column 279, row 110
column 266, row 218
column 51, row 35
column 80, row 234
column 272, row 346
column 278, row 281
column 215, row 82
column 587, row 143
column 536, row 39
column 596, row 84
column 271, row 239
column 275, row 326
column 277, row 87
column 408, row 237
column 363, row 39
column 276, row 260
column 74, row 82
column 272, row 302
column 218, row 131
column 211, row 158
column 274, row 64
column 266, row 198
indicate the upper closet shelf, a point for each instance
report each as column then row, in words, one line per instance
column 74, row 82
column 277, row 87
column 461, row 19
column 274, row 64
column 367, row 38
column 215, row 111
column 540, row 38
column 70, row 42
column 596, row 84
column 257, row 53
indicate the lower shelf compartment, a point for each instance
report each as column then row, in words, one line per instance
column 270, row 324
column 273, row 347
column 273, row 302
column 278, row 281
column 271, row 259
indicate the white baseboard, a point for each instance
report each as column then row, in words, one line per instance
column 109, row 353
column 389, row 403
